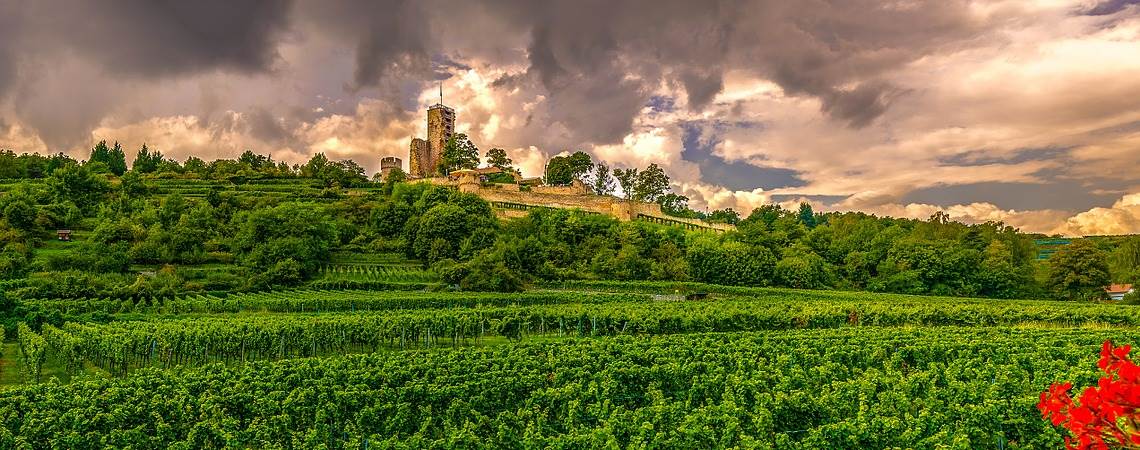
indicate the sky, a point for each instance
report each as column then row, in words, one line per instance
column 1025, row 112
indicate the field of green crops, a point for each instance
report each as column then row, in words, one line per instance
column 576, row 365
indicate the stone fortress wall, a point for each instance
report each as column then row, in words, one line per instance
column 575, row 196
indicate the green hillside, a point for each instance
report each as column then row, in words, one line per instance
column 249, row 304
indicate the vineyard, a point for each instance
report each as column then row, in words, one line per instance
column 850, row 388
column 577, row 365
column 401, row 323
column 564, row 367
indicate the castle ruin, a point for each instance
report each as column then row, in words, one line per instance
column 424, row 155
column 387, row 165
column 514, row 199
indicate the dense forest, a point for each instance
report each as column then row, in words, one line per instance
column 140, row 239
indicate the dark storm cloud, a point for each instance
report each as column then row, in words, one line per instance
column 149, row 38
column 859, row 106
column 597, row 62
column 1108, row 7
column 616, row 53
column 11, row 19
column 265, row 127
column 702, row 86
column 391, row 39
column 982, row 158
column 69, row 63
column 1059, row 194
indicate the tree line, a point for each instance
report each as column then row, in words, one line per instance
column 111, row 160
column 251, row 242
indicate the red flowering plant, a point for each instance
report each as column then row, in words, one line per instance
column 1108, row 414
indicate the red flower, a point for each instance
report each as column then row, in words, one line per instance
column 1108, row 414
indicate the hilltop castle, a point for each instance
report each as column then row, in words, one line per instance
column 515, row 199
column 424, row 156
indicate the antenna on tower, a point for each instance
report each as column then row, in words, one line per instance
column 441, row 92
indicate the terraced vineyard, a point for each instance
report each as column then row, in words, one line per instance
column 747, row 367
column 283, row 189
column 374, row 271
column 399, row 273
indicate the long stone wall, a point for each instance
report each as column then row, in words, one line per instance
column 622, row 209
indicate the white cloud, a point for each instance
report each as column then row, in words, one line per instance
column 1122, row 218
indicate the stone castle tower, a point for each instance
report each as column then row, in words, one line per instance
column 387, row 165
column 424, row 155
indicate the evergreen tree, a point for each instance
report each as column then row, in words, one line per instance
column 117, row 160
column 806, row 215
column 100, row 153
column 147, row 161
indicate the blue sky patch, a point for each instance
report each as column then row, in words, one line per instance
column 735, row 175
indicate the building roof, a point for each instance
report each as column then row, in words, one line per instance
column 1118, row 288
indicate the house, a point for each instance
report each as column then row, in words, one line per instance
column 1118, row 291
column 63, row 235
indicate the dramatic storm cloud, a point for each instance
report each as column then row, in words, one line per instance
column 1017, row 111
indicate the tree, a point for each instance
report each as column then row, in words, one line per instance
column 803, row 270
column 117, row 161
column 487, row 272
column 651, row 184
column 131, row 185
column 627, row 179
column 196, row 166
column 730, row 262
column 563, row 170
column 396, row 175
column 389, row 218
column 727, row 215
column 113, row 158
column 255, row 161
column 997, row 275
column 172, row 208
column 1079, row 271
column 445, row 223
column 600, row 179
column 806, row 215
column 1125, row 261
column 497, row 157
column 345, row 173
column 147, row 161
column 289, row 231
column 315, row 166
column 458, row 153
column 77, row 184
column 676, row 205
column 20, row 215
